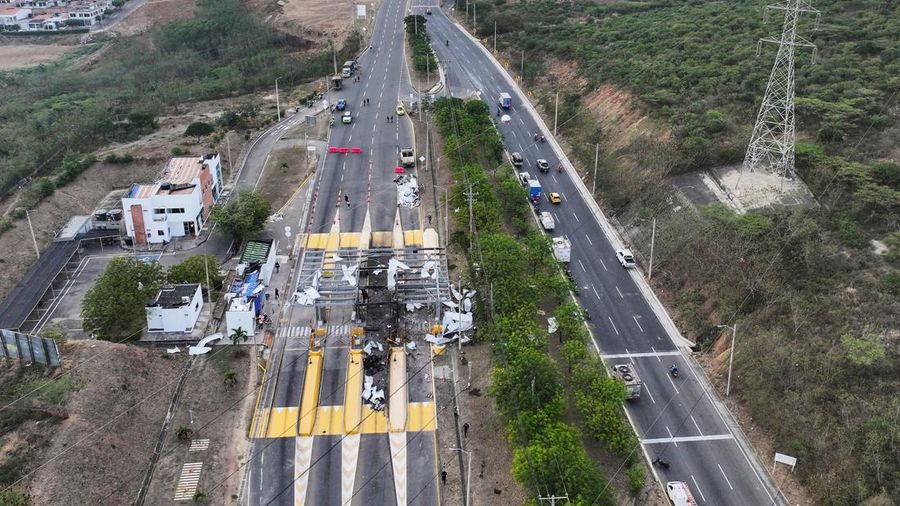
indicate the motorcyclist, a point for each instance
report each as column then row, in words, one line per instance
column 542, row 138
column 447, row 42
column 559, row 168
column 537, row 136
column 673, row 370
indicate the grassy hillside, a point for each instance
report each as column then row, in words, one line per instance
column 74, row 106
column 817, row 360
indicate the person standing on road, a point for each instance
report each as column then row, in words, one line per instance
column 466, row 429
column 277, row 266
column 276, row 294
column 444, row 477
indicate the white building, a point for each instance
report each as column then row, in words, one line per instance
column 14, row 18
column 247, row 295
column 175, row 309
column 87, row 13
column 177, row 205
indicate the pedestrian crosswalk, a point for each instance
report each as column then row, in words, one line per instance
column 199, row 445
column 187, row 483
column 342, row 331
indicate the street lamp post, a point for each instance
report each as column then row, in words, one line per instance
column 277, row 102
column 468, row 472
column 730, row 355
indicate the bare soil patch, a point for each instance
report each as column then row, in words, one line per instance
column 326, row 18
column 616, row 111
column 15, row 56
column 155, row 13
column 99, row 453
column 213, row 408
column 285, row 170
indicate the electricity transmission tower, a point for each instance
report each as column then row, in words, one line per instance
column 772, row 143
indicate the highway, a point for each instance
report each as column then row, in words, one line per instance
column 305, row 449
column 680, row 419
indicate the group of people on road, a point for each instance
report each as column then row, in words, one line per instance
column 390, row 119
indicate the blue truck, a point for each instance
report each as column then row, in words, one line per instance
column 505, row 100
column 534, row 190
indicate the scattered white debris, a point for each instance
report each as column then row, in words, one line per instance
column 372, row 394
column 412, row 306
column 552, row 325
column 411, row 346
column 451, row 304
column 457, row 322
column 407, row 191
column 429, row 270
column 198, row 350
column 431, row 338
column 210, row 338
column 173, row 350
column 307, row 297
column 350, row 273
column 370, row 347
column 393, row 266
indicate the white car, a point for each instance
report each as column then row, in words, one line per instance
column 347, row 118
column 625, row 258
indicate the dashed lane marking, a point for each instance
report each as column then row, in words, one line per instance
column 685, row 439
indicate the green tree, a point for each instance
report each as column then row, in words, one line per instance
column 14, row 497
column 199, row 129
column 238, row 335
column 194, row 269
column 115, row 306
column 528, row 381
column 243, row 215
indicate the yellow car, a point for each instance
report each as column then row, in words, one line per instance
column 400, row 110
column 554, row 198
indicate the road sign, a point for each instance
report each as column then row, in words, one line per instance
column 360, row 10
column 422, row 159
column 784, row 459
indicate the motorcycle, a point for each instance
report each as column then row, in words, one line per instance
column 542, row 139
column 673, row 371
column 661, row 463
column 559, row 168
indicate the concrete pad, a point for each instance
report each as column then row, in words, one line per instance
column 761, row 189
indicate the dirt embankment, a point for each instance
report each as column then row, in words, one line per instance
column 109, row 401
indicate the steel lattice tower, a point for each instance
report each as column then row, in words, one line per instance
column 772, row 143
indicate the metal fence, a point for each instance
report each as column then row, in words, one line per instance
column 29, row 349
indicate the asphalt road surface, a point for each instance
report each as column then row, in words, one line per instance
column 676, row 419
column 352, row 192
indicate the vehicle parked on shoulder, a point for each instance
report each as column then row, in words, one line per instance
column 341, row 104
column 625, row 258
column 347, row 118
column 400, row 110
column 516, row 159
column 547, row 221
column 680, row 494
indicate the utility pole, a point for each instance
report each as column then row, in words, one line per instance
column 522, row 72
column 772, row 142
column 474, row 18
column 33, row 239
column 277, row 102
column 553, row 498
column 470, row 197
column 228, row 147
column 333, row 58
column 652, row 241
column 556, row 112
column 731, row 353
column 495, row 36
column 596, row 160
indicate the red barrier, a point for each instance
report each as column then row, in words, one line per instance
column 332, row 149
column 355, row 150
column 344, row 150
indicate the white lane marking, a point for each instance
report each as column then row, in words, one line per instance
column 589, row 239
column 603, row 264
column 695, row 425
column 671, row 437
column 595, row 292
column 638, row 323
column 576, row 217
column 686, row 439
column 698, row 488
column 658, row 354
column 725, row 476
column 647, row 388
column 620, row 292
column 554, row 179
column 582, row 265
column 669, row 377
column 613, row 325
